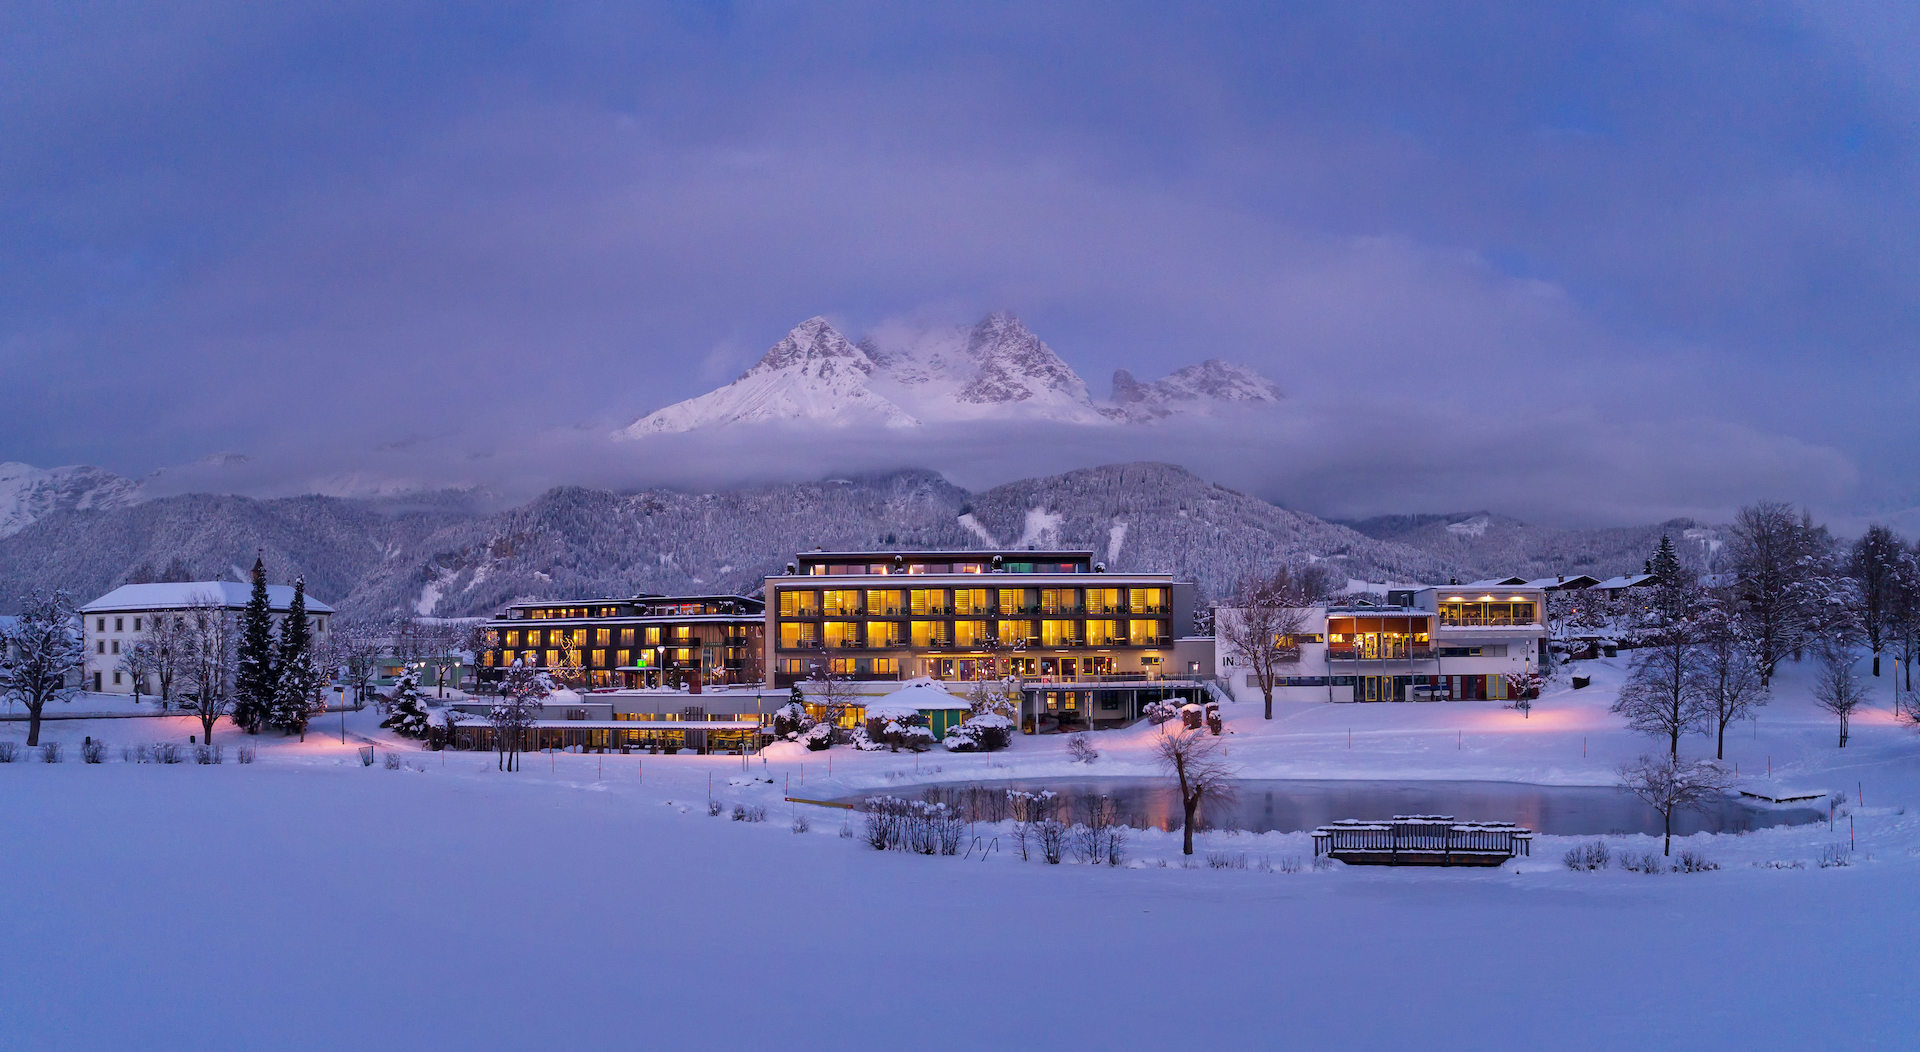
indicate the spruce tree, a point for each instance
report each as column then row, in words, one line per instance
column 255, row 683
column 299, row 680
column 408, row 718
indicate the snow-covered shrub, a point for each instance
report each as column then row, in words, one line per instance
column 1192, row 714
column 1081, row 748
column 1321, row 864
column 713, row 808
column 818, row 738
column 1223, row 860
column 1289, row 864
column 1215, row 725
column 913, row 737
column 391, row 761
column 1158, row 712
column 1644, row 862
column 791, row 720
column 985, row 732
column 800, row 823
column 1835, row 855
column 743, row 813
column 205, row 754
column 9, row 752
column 166, row 752
column 93, row 751
column 1588, row 857
column 50, row 752
column 860, row 740
column 1694, row 862
column 244, row 754
column 913, row 825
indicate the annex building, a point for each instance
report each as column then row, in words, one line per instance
column 113, row 623
column 646, row 641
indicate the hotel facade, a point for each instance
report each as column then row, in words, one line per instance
column 646, row 641
column 1446, row 643
column 1081, row 645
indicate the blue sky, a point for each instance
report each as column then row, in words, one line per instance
column 1667, row 249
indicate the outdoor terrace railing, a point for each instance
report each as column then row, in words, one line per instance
column 1422, row 840
column 1383, row 654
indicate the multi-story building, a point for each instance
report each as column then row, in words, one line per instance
column 1450, row 642
column 111, row 624
column 1082, row 645
column 647, row 641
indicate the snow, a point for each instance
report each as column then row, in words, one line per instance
column 1042, row 529
column 1474, row 527
column 995, row 369
column 186, row 593
column 1116, row 536
column 917, row 695
column 969, row 522
column 142, row 896
column 28, row 494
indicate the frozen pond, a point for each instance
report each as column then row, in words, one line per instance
column 1288, row 805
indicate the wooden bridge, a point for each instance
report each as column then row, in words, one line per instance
column 1421, row 840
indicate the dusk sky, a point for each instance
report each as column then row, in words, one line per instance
column 1586, row 263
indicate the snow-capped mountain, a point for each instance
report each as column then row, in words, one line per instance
column 28, row 493
column 1203, row 389
column 995, row 369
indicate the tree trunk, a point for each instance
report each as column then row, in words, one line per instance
column 1720, row 749
column 33, row 728
column 206, row 724
column 1668, row 848
column 1192, row 804
column 1269, row 693
column 1876, row 663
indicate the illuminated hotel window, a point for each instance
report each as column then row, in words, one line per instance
column 840, row 602
column 970, row 600
column 887, row 603
column 796, row 634
column 1016, row 632
column 843, row 633
column 928, row 633
column 602, row 636
column 969, row 633
column 653, row 636
column 626, row 637
column 1100, row 633
column 553, row 658
column 886, row 666
column 623, row 657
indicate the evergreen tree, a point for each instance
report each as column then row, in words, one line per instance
column 255, row 681
column 408, row 718
column 299, row 681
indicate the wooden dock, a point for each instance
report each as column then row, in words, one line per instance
column 1421, row 840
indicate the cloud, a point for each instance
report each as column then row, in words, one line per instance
column 1678, row 235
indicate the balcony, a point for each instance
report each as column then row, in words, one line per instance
column 1340, row 653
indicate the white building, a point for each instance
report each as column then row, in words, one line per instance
column 115, row 621
column 1447, row 642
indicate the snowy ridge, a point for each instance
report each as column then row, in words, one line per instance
column 28, row 494
column 995, row 369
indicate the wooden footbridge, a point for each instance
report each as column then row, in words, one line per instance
column 1421, row 840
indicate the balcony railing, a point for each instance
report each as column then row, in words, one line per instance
column 1335, row 653
column 1474, row 621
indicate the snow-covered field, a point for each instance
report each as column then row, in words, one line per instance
column 306, row 901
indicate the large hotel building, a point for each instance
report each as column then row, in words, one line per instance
column 1084, row 645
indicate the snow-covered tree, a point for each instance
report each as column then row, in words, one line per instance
column 256, row 682
column 522, row 690
column 1662, row 694
column 982, row 732
column 407, row 716
column 41, row 655
column 1838, row 689
column 137, row 660
column 1875, row 564
column 1669, row 784
column 168, row 639
column 1729, row 676
column 829, row 695
column 1782, row 560
column 206, row 644
column 298, row 686
column 1196, row 764
column 1261, row 625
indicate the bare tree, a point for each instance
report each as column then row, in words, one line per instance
column 829, row 694
column 137, row 661
column 1669, row 784
column 1875, row 564
column 1196, row 762
column 357, row 646
column 209, row 661
column 167, row 637
column 40, row 655
column 522, row 690
column 1788, row 585
column 1263, row 622
column 1730, row 687
column 1839, row 689
column 1663, row 693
